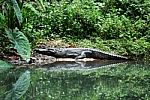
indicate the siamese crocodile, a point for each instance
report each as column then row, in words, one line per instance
column 79, row 53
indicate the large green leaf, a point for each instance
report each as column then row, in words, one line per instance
column 21, row 43
column 17, row 10
column 20, row 87
column 4, row 64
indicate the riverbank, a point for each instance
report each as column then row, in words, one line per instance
column 112, row 46
column 119, row 27
column 39, row 59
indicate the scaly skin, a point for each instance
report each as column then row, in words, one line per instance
column 78, row 53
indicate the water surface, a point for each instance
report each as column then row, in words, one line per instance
column 121, row 81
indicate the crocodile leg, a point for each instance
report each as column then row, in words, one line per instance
column 83, row 55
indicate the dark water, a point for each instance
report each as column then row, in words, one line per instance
column 122, row 81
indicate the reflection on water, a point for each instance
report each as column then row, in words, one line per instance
column 80, row 65
column 124, row 81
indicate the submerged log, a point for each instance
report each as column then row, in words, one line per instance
column 79, row 53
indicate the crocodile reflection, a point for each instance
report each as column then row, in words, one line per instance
column 81, row 64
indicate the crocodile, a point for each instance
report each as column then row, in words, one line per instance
column 79, row 53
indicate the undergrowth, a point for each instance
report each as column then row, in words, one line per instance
column 119, row 26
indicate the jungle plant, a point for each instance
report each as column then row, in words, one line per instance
column 12, row 16
column 20, row 87
column 11, row 24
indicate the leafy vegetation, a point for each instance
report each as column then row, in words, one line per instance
column 20, row 87
column 120, row 26
column 20, row 43
column 11, row 17
column 4, row 64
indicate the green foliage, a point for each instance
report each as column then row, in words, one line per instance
column 34, row 9
column 41, row 4
column 126, row 25
column 17, row 10
column 83, row 20
column 78, row 18
column 31, row 8
column 86, row 18
column 91, row 43
column 4, row 64
column 134, row 48
column 11, row 17
column 20, row 87
column 65, row 18
column 2, row 20
column 20, row 43
column 12, row 13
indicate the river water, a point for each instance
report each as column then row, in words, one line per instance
column 83, row 81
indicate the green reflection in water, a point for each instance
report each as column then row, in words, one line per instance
column 116, row 82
